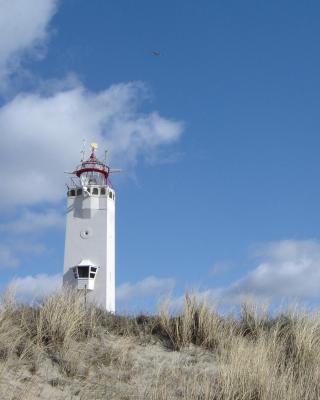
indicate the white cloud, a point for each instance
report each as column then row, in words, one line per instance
column 8, row 258
column 41, row 136
column 15, row 250
column 42, row 132
column 21, row 247
column 34, row 222
column 221, row 267
column 30, row 289
column 149, row 287
column 288, row 270
column 23, row 29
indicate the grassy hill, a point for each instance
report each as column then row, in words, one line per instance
column 62, row 350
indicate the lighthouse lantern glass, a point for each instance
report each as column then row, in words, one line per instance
column 92, row 178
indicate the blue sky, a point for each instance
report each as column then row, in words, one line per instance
column 218, row 138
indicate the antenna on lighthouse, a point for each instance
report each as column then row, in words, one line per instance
column 83, row 149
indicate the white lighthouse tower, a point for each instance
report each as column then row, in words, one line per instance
column 89, row 258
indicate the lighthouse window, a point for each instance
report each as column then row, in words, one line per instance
column 83, row 272
column 92, row 275
column 79, row 192
column 72, row 192
column 95, row 191
column 92, row 181
column 93, row 269
column 110, row 195
column 103, row 191
column 89, row 190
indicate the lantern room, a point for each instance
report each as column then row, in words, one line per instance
column 92, row 171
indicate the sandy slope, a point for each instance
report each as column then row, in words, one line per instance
column 119, row 368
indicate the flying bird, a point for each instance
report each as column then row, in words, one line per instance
column 156, row 53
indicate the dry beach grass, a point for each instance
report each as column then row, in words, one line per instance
column 63, row 350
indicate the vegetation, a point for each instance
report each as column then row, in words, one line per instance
column 64, row 350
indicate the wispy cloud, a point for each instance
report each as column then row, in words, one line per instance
column 221, row 267
column 34, row 222
column 50, row 128
column 42, row 132
column 14, row 250
column 149, row 287
column 24, row 30
column 287, row 271
column 30, row 289
column 8, row 258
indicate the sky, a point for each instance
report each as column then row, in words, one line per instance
column 218, row 139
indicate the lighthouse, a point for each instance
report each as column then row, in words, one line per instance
column 89, row 257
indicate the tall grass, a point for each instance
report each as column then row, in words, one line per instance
column 196, row 355
column 197, row 324
column 64, row 317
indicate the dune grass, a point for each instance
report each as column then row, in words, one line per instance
column 62, row 349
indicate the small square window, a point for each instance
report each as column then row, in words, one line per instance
column 110, row 195
column 83, row 272
column 95, row 191
column 72, row 192
column 79, row 192
column 103, row 191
